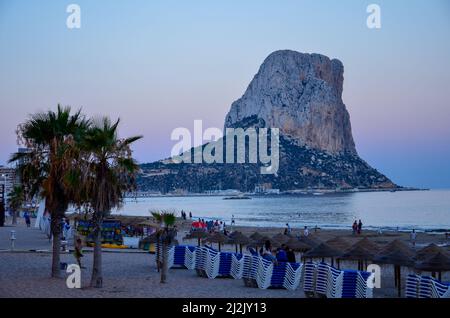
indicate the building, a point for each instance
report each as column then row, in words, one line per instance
column 8, row 178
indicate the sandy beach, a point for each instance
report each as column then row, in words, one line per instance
column 25, row 272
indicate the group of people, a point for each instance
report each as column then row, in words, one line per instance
column 288, row 230
column 282, row 254
column 357, row 227
column 210, row 226
column 184, row 215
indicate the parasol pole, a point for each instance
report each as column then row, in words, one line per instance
column 395, row 275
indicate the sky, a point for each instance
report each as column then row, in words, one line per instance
column 162, row 64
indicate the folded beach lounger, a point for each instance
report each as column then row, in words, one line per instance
column 250, row 270
column 349, row 284
column 179, row 255
column 309, row 278
column 293, row 276
column 412, row 286
column 264, row 273
column 364, row 289
column 439, row 289
column 200, row 261
column 226, row 259
column 425, row 287
column 189, row 257
column 322, row 279
column 430, row 287
column 335, row 283
column 212, row 263
column 237, row 266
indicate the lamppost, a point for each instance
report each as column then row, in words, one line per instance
column 2, row 205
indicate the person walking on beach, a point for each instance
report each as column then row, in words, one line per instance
column 306, row 231
column 232, row 220
column 190, row 215
column 27, row 219
column 413, row 237
column 359, row 227
column 288, row 229
column 355, row 227
column 78, row 251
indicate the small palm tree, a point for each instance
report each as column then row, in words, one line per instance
column 16, row 199
column 50, row 138
column 107, row 171
column 166, row 234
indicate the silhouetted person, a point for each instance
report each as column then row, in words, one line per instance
column 359, row 226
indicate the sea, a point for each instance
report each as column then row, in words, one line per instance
column 401, row 210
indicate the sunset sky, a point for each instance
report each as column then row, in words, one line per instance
column 159, row 65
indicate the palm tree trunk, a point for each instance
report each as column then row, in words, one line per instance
column 56, row 231
column 158, row 256
column 14, row 219
column 97, row 274
column 164, row 262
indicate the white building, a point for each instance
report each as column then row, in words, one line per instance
column 7, row 178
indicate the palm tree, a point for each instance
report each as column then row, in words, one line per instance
column 166, row 234
column 16, row 199
column 44, row 169
column 107, row 171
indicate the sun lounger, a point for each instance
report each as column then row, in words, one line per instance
column 412, row 286
column 237, row 266
column 309, row 278
column 426, row 287
column 335, row 283
column 293, row 276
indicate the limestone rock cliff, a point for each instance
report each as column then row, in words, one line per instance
column 301, row 94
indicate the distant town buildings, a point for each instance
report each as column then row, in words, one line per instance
column 266, row 188
column 8, row 178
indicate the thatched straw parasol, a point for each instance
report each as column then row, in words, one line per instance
column 281, row 238
column 358, row 253
column 323, row 250
column 217, row 237
column 429, row 251
column 262, row 241
column 196, row 235
column 238, row 238
column 256, row 236
column 297, row 246
column 368, row 245
column 398, row 245
column 339, row 243
column 399, row 255
column 149, row 223
column 439, row 263
column 310, row 240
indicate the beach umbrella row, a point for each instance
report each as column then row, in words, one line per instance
column 431, row 258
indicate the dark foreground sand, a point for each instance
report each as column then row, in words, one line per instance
column 131, row 273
